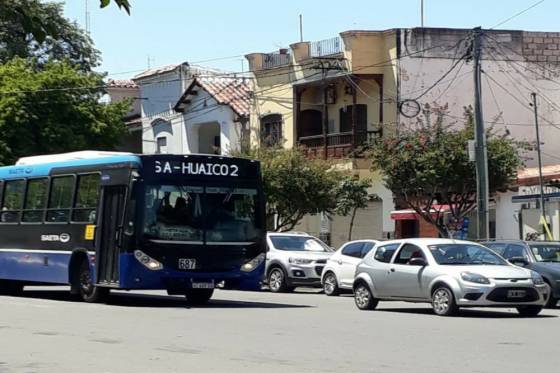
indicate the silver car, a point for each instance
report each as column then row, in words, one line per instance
column 448, row 274
column 294, row 259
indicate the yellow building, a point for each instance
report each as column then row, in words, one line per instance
column 330, row 97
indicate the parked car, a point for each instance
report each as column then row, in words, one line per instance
column 448, row 274
column 295, row 259
column 540, row 256
column 339, row 272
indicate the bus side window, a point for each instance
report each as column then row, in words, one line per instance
column 35, row 200
column 87, row 199
column 12, row 201
column 60, row 199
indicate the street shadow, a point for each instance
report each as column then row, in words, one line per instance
column 132, row 300
column 466, row 313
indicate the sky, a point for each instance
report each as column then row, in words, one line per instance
column 162, row 32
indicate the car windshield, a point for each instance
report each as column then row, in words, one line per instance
column 299, row 243
column 465, row 254
column 546, row 252
column 195, row 213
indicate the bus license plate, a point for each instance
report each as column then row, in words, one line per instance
column 187, row 263
column 202, row 285
column 516, row 293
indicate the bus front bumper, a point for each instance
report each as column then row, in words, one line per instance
column 133, row 275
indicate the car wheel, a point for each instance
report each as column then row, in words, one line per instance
column 330, row 285
column 552, row 301
column 443, row 302
column 277, row 281
column 363, row 297
column 529, row 311
column 199, row 297
column 88, row 291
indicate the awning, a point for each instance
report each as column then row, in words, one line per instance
column 535, row 197
column 410, row 214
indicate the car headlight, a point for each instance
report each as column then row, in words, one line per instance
column 537, row 279
column 253, row 263
column 300, row 261
column 474, row 277
column 147, row 261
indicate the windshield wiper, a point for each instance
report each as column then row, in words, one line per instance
column 456, row 263
column 550, row 260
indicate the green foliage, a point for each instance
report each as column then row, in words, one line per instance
column 295, row 185
column 38, row 30
column 123, row 4
column 54, row 110
column 430, row 164
column 352, row 195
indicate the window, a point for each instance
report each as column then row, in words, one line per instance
column 515, row 251
column 367, row 248
column 271, row 130
column 353, row 249
column 161, row 145
column 60, row 201
column 12, row 201
column 385, row 253
column 499, row 248
column 35, row 200
column 465, row 254
column 408, row 252
column 87, row 198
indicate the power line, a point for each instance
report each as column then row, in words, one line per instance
column 517, row 14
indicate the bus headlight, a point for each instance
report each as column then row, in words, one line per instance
column 147, row 261
column 253, row 263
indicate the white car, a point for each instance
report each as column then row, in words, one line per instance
column 294, row 259
column 339, row 272
column 447, row 273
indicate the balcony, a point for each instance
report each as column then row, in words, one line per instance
column 325, row 48
column 271, row 60
column 336, row 145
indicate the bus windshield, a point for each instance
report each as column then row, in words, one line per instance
column 197, row 214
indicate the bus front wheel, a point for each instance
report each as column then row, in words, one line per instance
column 198, row 297
column 88, row 291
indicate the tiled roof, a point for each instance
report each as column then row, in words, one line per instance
column 530, row 176
column 232, row 91
column 121, row 84
column 156, row 71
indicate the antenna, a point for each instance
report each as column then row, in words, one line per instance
column 87, row 18
column 301, row 28
column 422, row 13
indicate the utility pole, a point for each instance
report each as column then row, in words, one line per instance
column 480, row 143
column 541, row 180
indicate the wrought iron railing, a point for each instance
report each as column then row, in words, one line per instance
column 326, row 47
column 271, row 60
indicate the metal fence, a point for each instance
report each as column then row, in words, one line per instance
column 326, row 47
column 275, row 59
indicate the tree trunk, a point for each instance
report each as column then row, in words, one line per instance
column 352, row 224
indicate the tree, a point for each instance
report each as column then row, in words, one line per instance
column 295, row 185
column 123, row 4
column 428, row 167
column 54, row 110
column 352, row 195
column 38, row 30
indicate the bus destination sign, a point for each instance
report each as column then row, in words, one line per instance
column 196, row 168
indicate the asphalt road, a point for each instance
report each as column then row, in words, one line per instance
column 45, row 331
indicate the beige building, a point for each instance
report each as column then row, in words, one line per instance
column 332, row 96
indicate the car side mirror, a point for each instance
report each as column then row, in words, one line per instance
column 421, row 262
column 518, row 261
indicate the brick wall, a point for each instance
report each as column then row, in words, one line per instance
column 541, row 46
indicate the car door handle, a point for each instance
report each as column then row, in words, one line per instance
column 392, row 270
column 340, row 262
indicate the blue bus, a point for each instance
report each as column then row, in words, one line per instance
column 99, row 221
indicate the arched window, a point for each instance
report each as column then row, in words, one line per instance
column 271, row 129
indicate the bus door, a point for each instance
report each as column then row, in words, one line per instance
column 111, row 224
